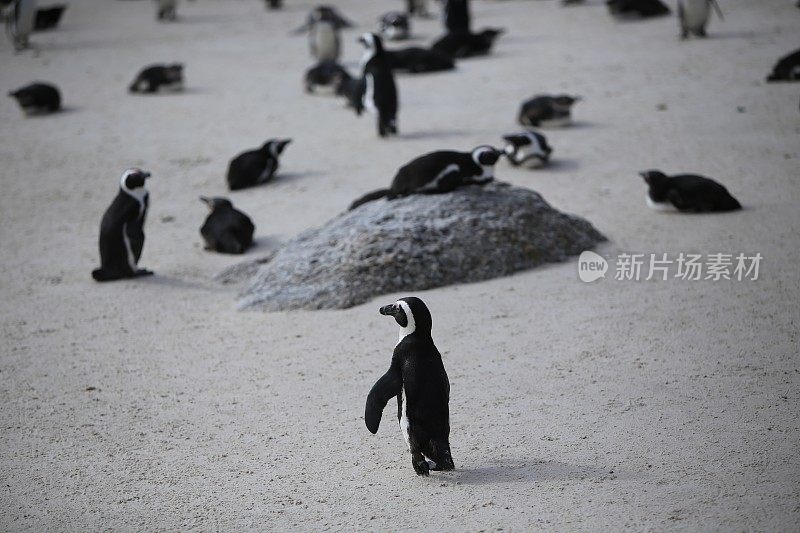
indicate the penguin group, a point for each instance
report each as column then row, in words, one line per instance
column 416, row 376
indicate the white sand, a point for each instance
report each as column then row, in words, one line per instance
column 615, row 405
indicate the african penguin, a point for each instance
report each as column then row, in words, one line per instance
column 637, row 8
column 166, row 10
column 439, row 172
column 465, row 44
column 326, row 13
column 38, row 98
column 274, row 4
column 352, row 89
column 787, row 69
column 687, row 193
column 122, row 229
column 394, row 26
column 456, row 16
column 417, row 377
column 418, row 60
column 255, row 167
column 157, row 78
column 529, row 149
column 547, row 111
column 380, row 90
column 226, row 229
column 693, row 16
column 20, row 22
column 48, row 18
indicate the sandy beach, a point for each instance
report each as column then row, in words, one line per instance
column 152, row 404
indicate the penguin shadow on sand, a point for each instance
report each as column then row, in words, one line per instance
column 513, row 471
column 433, row 134
column 560, row 165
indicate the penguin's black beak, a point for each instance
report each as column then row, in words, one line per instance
column 145, row 174
column 645, row 176
column 389, row 310
column 282, row 144
column 206, row 200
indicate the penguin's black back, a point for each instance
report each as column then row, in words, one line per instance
column 43, row 96
column 228, row 230
column 123, row 215
column 689, row 192
column 425, row 386
column 251, row 168
column 416, row 59
column 422, row 170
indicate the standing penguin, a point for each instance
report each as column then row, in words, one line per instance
column 380, row 91
column 166, row 10
column 20, row 23
column 122, row 229
column 418, row 379
column 439, row 172
column 693, row 16
column 687, row 193
column 255, row 167
column 226, row 229
column 324, row 41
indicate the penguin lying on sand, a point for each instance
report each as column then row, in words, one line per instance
column 156, row 78
column 380, row 90
column 529, row 149
column 122, row 230
column 38, row 98
column 394, row 26
column 465, row 44
column 418, row 379
column 547, row 111
column 687, row 193
column 439, row 172
column 693, row 16
column 418, row 60
column 787, row 69
column 255, row 167
column 226, row 230
column 640, row 8
column 323, row 74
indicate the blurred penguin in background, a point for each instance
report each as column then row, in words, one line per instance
column 456, row 16
column 274, row 4
column 20, row 20
column 417, row 7
column 323, row 25
column 166, row 10
column 693, row 16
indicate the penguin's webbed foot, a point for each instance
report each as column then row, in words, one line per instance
column 421, row 467
column 143, row 272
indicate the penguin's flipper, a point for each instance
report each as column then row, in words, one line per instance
column 384, row 390
column 370, row 196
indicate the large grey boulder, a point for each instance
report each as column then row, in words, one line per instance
column 415, row 243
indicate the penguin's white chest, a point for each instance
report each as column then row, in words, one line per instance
column 665, row 207
column 325, row 42
column 369, row 94
column 696, row 12
column 404, row 423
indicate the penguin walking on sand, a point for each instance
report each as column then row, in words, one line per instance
column 418, row 379
column 122, row 229
column 20, row 23
column 687, row 193
column 528, row 149
column 226, row 229
column 38, row 99
column 380, row 90
column 693, row 16
column 439, row 172
column 166, row 10
column 255, row 167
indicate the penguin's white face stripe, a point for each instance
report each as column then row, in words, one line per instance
column 139, row 193
column 411, row 325
column 488, row 170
